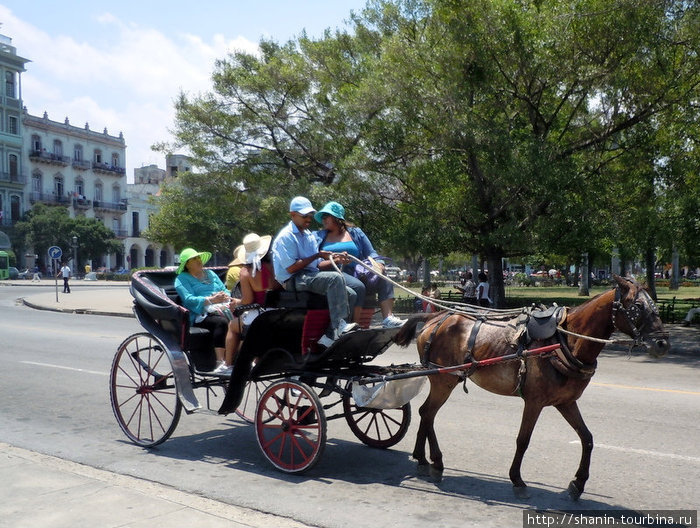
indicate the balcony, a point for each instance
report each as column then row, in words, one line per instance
column 6, row 177
column 81, row 203
column 49, row 199
column 49, row 158
column 81, row 164
column 107, row 169
column 121, row 233
column 110, row 206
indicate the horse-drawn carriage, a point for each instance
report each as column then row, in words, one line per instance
column 280, row 376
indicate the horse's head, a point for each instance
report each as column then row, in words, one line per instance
column 636, row 314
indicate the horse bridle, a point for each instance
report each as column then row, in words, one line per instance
column 633, row 314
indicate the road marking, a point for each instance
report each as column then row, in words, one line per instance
column 644, row 388
column 49, row 365
column 643, row 452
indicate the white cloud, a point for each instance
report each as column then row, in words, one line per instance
column 126, row 82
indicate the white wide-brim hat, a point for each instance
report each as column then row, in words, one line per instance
column 254, row 247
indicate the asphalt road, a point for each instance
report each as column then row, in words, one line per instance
column 643, row 414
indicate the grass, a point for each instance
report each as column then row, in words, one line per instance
column 516, row 296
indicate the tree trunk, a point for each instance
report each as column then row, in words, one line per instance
column 650, row 261
column 583, row 290
column 496, row 287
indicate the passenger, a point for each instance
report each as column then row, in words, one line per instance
column 299, row 265
column 339, row 236
column 256, row 279
column 200, row 291
column 233, row 274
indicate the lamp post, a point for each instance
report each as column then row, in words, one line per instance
column 74, row 245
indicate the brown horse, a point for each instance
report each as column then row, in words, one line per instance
column 559, row 379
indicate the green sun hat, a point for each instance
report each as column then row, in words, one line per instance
column 189, row 253
column 333, row 209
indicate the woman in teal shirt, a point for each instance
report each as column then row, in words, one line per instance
column 199, row 289
column 340, row 237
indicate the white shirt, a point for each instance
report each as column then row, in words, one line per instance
column 65, row 272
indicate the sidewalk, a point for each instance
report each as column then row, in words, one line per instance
column 43, row 491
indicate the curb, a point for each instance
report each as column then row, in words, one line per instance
column 85, row 311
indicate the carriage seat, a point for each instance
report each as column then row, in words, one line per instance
column 295, row 299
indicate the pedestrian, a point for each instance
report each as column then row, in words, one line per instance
column 36, row 277
column 468, row 290
column 65, row 273
column 689, row 316
column 482, row 291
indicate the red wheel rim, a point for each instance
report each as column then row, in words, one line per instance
column 290, row 426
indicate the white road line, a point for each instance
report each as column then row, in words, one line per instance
column 643, row 452
column 49, row 365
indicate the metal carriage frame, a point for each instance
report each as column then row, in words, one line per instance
column 279, row 388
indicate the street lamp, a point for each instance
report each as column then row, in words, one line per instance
column 74, row 245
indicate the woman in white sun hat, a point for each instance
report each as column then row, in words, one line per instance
column 256, row 279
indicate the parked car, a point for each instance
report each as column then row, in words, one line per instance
column 14, row 273
column 393, row 272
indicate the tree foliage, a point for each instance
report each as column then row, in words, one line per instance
column 495, row 127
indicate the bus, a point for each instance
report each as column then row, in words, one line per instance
column 4, row 265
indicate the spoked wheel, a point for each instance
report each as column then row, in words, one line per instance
column 290, row 426
column 380, row 428
column 251, row 396
column 142, row 391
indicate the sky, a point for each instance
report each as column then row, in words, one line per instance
column 120, row 65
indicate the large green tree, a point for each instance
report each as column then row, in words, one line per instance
column 485, row 127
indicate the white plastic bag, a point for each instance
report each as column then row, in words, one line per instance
column 387, row 394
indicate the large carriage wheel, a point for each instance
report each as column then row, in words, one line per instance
column 143, row 392
column 251, row 396
column 290, row 426
column 380, row 428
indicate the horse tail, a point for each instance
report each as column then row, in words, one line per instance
column 408, row 330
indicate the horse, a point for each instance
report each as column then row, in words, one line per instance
column 556, row 379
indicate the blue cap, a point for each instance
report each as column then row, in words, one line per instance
column 301, row 205
column 333, row 209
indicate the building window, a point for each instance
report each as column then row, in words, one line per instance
column 116, row 194
column 57, row 147
column 36, row 183
column 98, row 156
column 78, row 153
column 36, row 143
column 98, row 192
column 115, row 159
column 12, row 125
column 79, row 188
column 15, row 211
column 10, row 85
column 135, row 229
column 58, row 186
column 14, row 167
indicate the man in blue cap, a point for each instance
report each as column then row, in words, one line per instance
column 300, row 265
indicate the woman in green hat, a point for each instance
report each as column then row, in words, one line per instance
column 201, row 289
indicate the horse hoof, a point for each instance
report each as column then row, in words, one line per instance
column 521, row 492
column 423, row 470
column 435, row 474
column 574, row 491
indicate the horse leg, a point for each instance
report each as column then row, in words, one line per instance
column 572, row 415
column 531, row 413
column 439, row 392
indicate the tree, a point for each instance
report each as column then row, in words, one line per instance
column 46, row 226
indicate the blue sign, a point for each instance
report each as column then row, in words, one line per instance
column 55, row 252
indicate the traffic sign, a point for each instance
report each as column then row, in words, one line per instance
column 55, row 252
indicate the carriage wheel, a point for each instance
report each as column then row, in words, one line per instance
column 380, row 428
column 290, row 426
column 251, row 396
column 143, row 392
